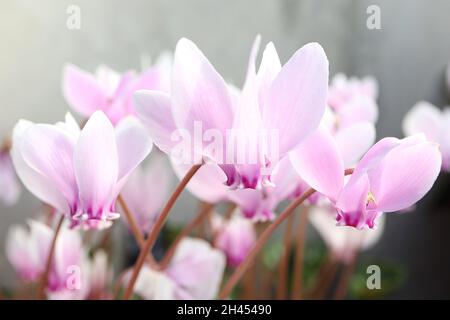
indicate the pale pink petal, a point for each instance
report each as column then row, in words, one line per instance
column 154, row 109
column 319, row 163
column 358, row 108
column 82, row 91
column 197, row 268
column 96, row 162
column 423, row 118
column 39, row 185
column 354, row 141
column 406, row 175
column 48, row 150
column 199, row 93
column 268, row 70
column 297, row 97
column 133, row 145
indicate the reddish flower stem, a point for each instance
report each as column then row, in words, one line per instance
column 283, row 267
column 150, row 241
column 346, row 276
column 299, row 257
column 44, row 279
column 199, row 218
column 135, row 230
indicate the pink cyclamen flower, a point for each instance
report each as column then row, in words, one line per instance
column 144, row 205
column 195, row 272
column 287, row 100
column 393, row 175
column 27, row 250
column 79, row 172
column 9, row 185
column 434, row 123
column 235, row 237
column 352, row 141
column 343, row 242
column 353, row 99
column 109, row 91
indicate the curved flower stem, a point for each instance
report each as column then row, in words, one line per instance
column 150, row 241
column 283, row 267
column 239, row 272
column 346, row 276
column 325, row 278
column 48, row 265
column 299, row 257
column 202, row 214
column 135, row 229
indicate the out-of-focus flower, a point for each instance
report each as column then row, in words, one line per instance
column 147, row 190
column 79, row 172
column 343, row 242
column 353, row 99
column 153, row 285
column 434, row 123
column 9, row 186
column 100, row 275
column 197, row 269
column 195, row 272
column 283, row 102
column 27, row 250
column 393, row 175
column 109, row 91
column 235, row 237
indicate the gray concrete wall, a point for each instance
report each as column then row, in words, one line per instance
column 408, row 56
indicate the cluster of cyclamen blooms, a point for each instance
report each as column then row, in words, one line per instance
column 322, row 131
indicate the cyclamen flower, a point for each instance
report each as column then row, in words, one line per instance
column 145, row 205
column 353, row 99
column 79, row 172
column 100, row 275
column 434, row 123
column 195, row 273
column 393, row 175
column 343, row 242
column 235, row 237
column 287, row 100
column 27, row 250
column 109, row 91
column 9, row 185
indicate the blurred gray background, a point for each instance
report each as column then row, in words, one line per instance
column 408, row 57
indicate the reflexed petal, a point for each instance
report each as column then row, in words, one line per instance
column 268, row 70
column 154, row 110
column 96, row 162
column 82, row 91
column 297, row 97
column 133, row 145
column 198, row 91
column 319, row 163
column 39, row 185
column 49, row 151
